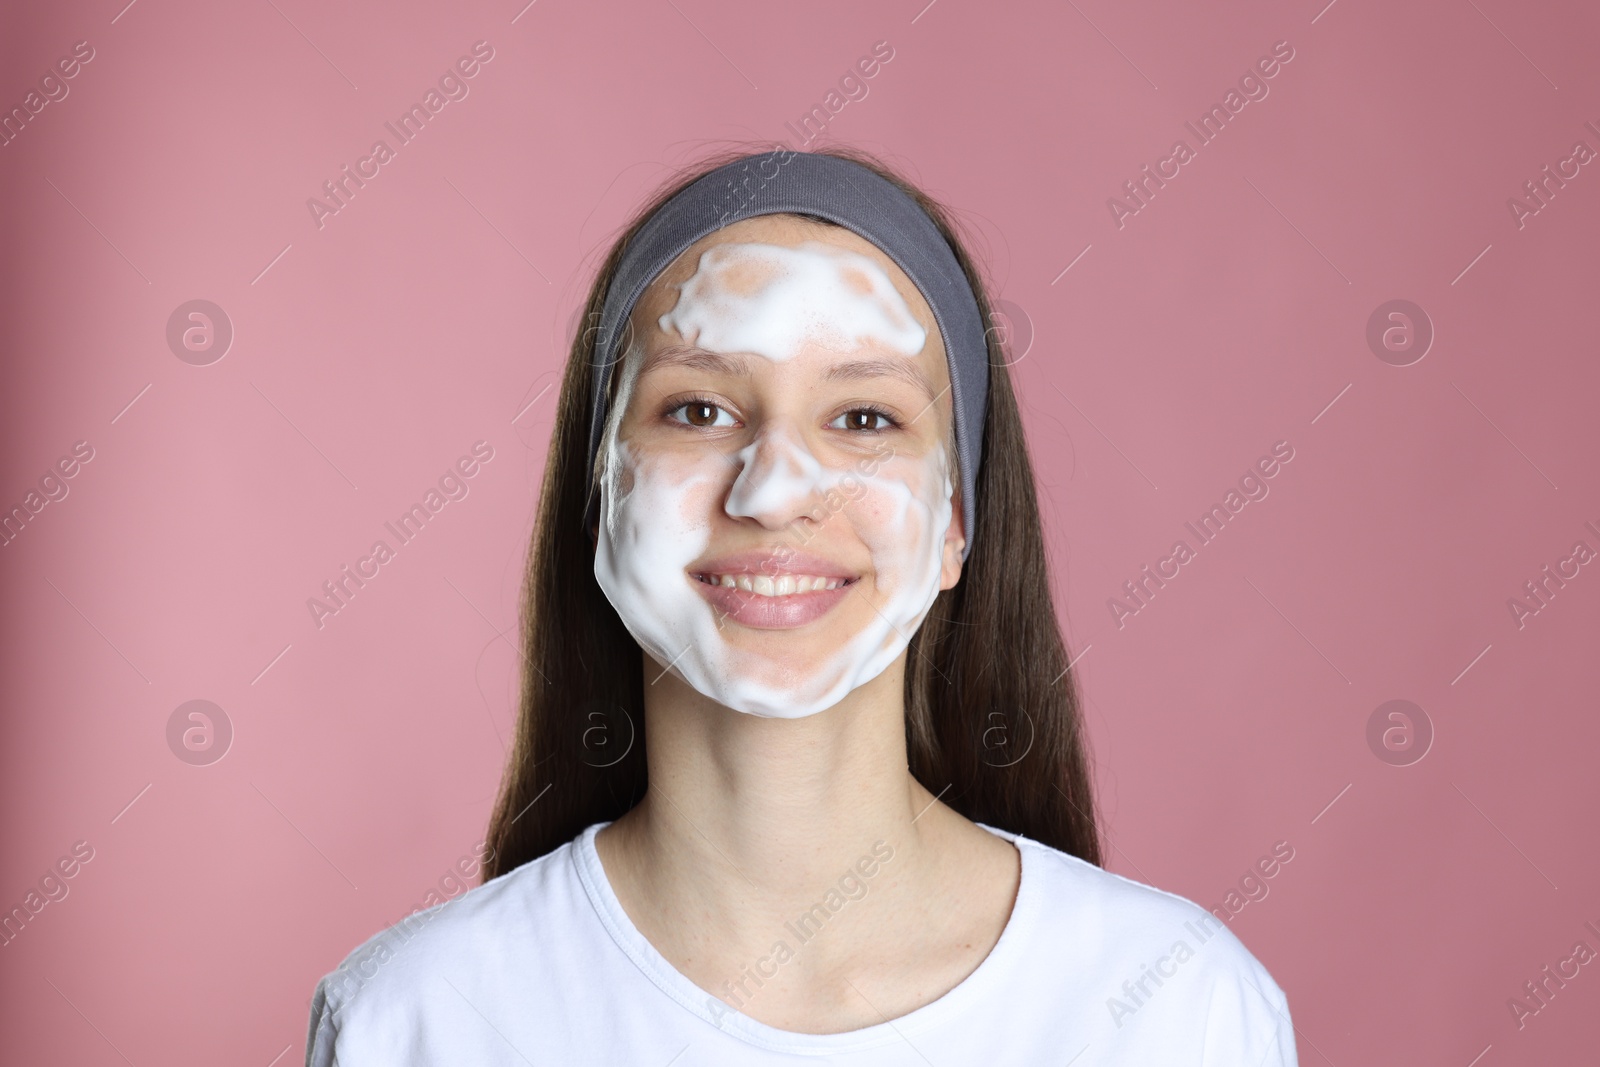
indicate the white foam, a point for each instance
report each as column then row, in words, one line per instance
column 775, row 302
column 768, row 299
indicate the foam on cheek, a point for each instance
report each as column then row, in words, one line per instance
column 650, row 532
column 658, row 510
column 901, row 515
column 769, row 300
column 652, row 526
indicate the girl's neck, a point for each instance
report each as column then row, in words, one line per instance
column 753, row 829
column 772, row 805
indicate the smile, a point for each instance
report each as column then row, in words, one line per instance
column 772, row 602
column 774, row 585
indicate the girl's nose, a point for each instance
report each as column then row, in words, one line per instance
column 778, row 482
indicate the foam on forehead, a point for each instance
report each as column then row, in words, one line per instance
column 770, row 300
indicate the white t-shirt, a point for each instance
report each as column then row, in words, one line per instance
column 541, row 966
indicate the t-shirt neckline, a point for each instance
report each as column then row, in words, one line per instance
column 971, row 992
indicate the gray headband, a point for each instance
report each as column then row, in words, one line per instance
column 842, row 192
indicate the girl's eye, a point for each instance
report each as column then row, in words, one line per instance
column 701, row 414
column 866, row 420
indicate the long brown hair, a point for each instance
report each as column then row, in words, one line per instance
column 992, row 717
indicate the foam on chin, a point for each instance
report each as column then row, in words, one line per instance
column 772, row 301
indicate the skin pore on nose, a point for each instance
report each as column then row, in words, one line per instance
column 660, row 506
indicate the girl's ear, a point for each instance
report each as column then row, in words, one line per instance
column 955, row 542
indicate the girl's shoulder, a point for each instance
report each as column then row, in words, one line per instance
column 1095, row 914
column 388, row 973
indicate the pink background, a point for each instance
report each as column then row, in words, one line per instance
column 431, row 312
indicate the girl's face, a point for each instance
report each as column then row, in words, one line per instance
column 778, row 510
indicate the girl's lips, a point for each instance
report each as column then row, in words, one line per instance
column 771, row 612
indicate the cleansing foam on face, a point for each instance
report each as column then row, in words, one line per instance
column 813, row 304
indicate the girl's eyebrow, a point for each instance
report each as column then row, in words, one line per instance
column 695, row 359
column 739, row 366
column 901, row 368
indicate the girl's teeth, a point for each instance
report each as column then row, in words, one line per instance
column 764, row 585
